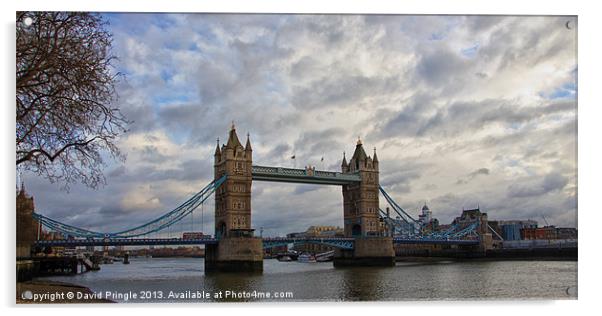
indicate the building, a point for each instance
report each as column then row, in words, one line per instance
column 272, row 251
column 324, row 231
column 566, row 233
column 296, row 235
column 469, row 217
column 475, row 216
column 27, row 227
column 547, row 232
column 428, row 223
column 426, row 215
column 316, row 231
column 511, row 230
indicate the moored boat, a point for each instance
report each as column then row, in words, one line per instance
column 325, row 256
column 306, row 257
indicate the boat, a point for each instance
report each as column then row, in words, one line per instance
column 292, row 255
column 306, row 257
column 325, row 256
column 107, row 260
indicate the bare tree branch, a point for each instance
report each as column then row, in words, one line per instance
column 65, row 88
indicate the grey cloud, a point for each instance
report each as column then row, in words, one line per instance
column 472, row 175
column 466, row 117
column 482, row 23
column 301, row 189
column 399, row 175
column 118, row 171
column 441, row 68
column 547, row 34
column 341, row 90
column 306, row 66
column 150, row 153
column 479, row 171
column 317, row 143
column 550, row 182
column 188, row 170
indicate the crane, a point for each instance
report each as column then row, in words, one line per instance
column 544, row 219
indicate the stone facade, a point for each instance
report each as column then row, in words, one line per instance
column 233, row 197
column 237, row 250
column 360, row 200
column 368, row 251
column 27, row 227
column 235, row 254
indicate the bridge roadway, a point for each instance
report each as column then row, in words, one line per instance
column 280, row 174
column 344, row 243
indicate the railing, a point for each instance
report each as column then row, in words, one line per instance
column 341, row 243
column 265, row 173
column 125, row 242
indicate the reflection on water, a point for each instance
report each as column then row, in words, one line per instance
column 322, row 282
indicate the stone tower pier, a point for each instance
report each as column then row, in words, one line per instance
column 237, row 248
column 361, row 219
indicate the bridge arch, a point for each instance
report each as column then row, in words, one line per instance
column 220, row 229
column 356, row 230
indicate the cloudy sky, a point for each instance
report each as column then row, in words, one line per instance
column 463, row 111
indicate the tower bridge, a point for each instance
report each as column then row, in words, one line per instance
column 368, row 237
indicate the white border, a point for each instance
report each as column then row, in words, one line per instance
column 589, row 156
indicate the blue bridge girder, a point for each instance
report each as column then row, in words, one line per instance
column 341, row 243
column 467, row 242
column 124, row 242
column 280, row 174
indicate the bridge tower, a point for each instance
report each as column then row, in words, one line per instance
column 233, row 197
column 27, row 227
column 360, row 200
column 237, row 249
column 361, row 214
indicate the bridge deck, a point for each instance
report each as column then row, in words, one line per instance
column 279, row 174
column 125, row 242
column 273, row 241
column 435, row 241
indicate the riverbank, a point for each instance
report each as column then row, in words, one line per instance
column 54, row 292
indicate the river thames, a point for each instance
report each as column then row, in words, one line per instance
column 183, row 280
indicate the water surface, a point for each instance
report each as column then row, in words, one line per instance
column 156, row 278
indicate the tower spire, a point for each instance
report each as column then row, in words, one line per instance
column 233, row 141
column 375, row 159
column 359, row 154
column 217, row 150
column 248, row 145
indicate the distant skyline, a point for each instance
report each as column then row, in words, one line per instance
column 462, row 110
